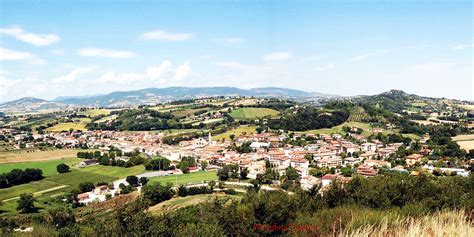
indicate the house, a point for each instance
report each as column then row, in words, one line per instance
column 256, row 145
column 368, row 146
column 82, row 197
column 101, row 190
column 352, row 161
column 412, row 159
column 368, row 155
column 327, row 179
column 87, row 163
column 309, row 181
column 193, row 169
column 349, row 148
column 329, row 162
column 377, row 163
column 299, row 162
column 366, row 170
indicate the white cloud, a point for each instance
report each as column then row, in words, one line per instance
column 166, row 36
column 371, row 54
column 434, row 67
column 30, row 38
column 206, row 56
column 72, row 76
column 57, row 51
column 231, row 65
column 7, row 54
column 231, row 40
column 12, row 55
column 155, row 72
column 326, row 67
column 462, row 46
column 277, row 56
column 182, row 71
column 105, row 53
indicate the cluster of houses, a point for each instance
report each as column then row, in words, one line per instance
column 330, row 151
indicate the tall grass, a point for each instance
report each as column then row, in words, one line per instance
column 446, row 223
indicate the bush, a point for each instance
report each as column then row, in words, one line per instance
column 62, row 168
column 26, row 203
column 157, row 193
column 86, row 187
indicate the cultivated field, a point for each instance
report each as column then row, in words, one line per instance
column 95, row 112
column 186, row 178
column 237, row 132
column 180, row 202
column 79, row 125
column 48, row 167
column 466, row 145
column 28, row 156
column 466, row 141
column 467, row 107
column 252, row 113
column 425, row 122
column 465, row 137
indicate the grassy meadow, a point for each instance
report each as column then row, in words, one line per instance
column 252, row 113
column 48, row 167
column 185, row 178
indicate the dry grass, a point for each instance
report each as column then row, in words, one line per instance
column 466, row 145
column 465, row 137
column 24, row 156
column 452, row 223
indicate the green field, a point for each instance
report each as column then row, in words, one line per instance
column 185, row 178
column 252, row 113
column 114, row 171
column 48, row 167
column 237, row 132
column 60, row 183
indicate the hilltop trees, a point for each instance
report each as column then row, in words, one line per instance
column 308, row 119
column 26, row 203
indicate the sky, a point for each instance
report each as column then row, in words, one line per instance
column 74, row 48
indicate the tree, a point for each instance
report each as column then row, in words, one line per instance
column 62, row 168
column 223, row 173
column 143, row 181
column 157, row 193
column 243, row 173
column 204, row 165
column 232, row 136
column 26, row 203
column 132, row 180
column 186, row 162
column 292, row 174
column 86, row 187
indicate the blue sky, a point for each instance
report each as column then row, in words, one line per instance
column 68, row 48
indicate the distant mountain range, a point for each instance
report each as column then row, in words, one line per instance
column 31, row 104
column 154, row 96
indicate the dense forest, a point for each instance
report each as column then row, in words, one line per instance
column 142, row 119
column 307, row 119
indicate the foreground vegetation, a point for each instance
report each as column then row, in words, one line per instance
column 383, row 205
